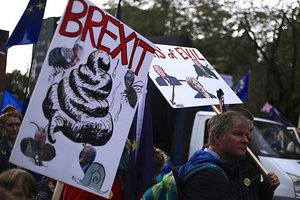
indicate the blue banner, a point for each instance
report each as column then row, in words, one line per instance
column 241, row 89
column 9, row 99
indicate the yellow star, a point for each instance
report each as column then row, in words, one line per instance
column 40, row 5
column 133, row 145
column 30, row 9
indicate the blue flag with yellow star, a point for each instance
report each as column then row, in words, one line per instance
column 28, row 28
column 241, row 89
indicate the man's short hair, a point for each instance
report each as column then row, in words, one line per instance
column 243, row 111
column 219, row 124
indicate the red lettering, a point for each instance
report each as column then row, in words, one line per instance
column 186, row 51
column 182, row 54
column 89, row 24
column 171, row 54
column 158, row 53
column 105, row 31
column 97, row 21
column 122, row 47
column 146, row 48
column 133, row 53
column 196, row 55
column 73, row 17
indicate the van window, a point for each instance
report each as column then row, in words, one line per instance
column 206, row 133
column 274, row 140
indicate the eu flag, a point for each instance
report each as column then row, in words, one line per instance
column 25, row 105
column 140, row 171
column 130, row 180
column 145, row 157
column 28, row 28
column 9, row 99
column 241, row 89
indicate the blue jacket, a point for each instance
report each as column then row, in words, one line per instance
column 5, row 152
column 213, row 180
column 198, row 157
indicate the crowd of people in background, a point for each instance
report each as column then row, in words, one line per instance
column 19, row 183
column 221, row 170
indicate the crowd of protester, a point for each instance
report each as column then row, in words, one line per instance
column 218, row 171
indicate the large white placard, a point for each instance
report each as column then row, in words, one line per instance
column 84, row 101
column 186, row 79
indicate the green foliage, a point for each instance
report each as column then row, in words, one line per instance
column 16, row 83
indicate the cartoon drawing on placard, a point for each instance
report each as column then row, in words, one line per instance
column 36, row 148
column 203, row 71
column 129, row 95
column 77, row 105
column 94, row 172
column 62, row 58
column 165, row 79
column 197, row 86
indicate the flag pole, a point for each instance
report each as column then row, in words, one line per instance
column 250, row 153
column 29, row 74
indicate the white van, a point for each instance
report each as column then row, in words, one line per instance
column 294, row 132
column 281, row 156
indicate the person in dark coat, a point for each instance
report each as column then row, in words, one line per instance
column 228, row 143
column 253, row 188
column 11, row 123
column 164, row 79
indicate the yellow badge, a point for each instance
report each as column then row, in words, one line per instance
column 247, row 182
column 110, row 194
column 3, row 152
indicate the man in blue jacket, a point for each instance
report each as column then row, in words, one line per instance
column 228, row 142
column 253, row 188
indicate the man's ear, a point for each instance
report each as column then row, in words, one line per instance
column 218, row 138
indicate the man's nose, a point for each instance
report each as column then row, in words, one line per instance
column 15, row 127
column 246, row 139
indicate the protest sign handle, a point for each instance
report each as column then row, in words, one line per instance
column 58, row 190
column 251, row 154
column 216, row 109
column 221, row 107
column 257, row 162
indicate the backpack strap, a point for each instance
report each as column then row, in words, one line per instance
column 181, row 180
column 202, row 166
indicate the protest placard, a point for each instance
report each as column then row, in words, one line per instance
column 85, row 98
column 186, row 78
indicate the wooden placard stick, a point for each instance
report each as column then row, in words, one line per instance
column 257, row 162
column 250, row 153
column 58, row 190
